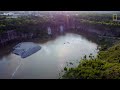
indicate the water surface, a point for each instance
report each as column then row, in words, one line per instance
column 48, row 62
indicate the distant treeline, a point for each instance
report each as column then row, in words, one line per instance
column 36, row 25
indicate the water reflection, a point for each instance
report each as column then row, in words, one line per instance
column 50, row 60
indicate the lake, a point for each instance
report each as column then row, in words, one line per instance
column 48, row 62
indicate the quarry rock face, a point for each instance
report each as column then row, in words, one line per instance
column 26, row 49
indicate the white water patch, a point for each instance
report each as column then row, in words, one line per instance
column 16, row 69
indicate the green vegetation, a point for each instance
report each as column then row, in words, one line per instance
column 111, row 55
column 105, row 66
column 110, row 22
column 23, row 24
column 103, row 19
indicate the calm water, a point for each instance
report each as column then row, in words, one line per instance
column 50, row 60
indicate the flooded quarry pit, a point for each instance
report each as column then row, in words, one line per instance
column 49, row 60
